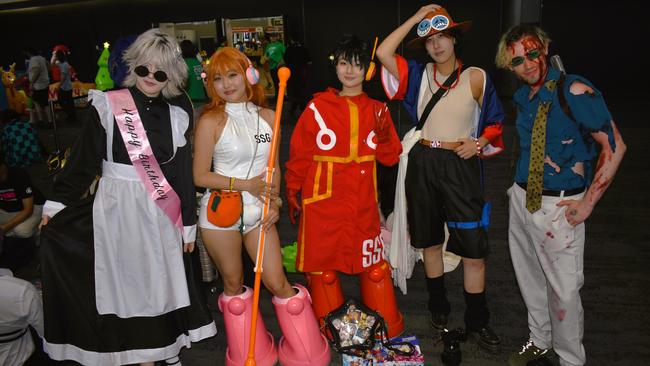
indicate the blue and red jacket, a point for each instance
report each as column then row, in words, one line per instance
column 407, row 89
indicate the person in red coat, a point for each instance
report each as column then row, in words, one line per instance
column 334, row 147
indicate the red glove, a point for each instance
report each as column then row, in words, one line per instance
column 294, row 204
column 382, row 123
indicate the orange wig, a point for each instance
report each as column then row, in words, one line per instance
column 222, row 61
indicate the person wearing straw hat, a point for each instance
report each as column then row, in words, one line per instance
column 561, row 119
column 459, row 121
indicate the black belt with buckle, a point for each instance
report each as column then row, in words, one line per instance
column 550, row 192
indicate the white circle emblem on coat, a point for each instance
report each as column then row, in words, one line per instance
column 323, row 131
column 369, row 141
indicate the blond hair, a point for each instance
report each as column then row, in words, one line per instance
column 514, row 34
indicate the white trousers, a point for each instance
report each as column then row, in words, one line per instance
column 27, row 228
column 547, row 255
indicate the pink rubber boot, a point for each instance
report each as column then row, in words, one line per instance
column 302, row 344
column 237, row 315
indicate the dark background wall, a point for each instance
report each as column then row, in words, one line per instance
column 601, row 40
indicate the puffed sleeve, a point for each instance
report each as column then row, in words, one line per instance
column 183, row 124
column 491, row 119
column 406, row 86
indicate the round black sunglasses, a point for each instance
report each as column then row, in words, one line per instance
column 142, row 71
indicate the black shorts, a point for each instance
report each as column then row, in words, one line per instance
column 40, row 96
column 442, row 187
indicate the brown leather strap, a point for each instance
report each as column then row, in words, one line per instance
column 440, row 144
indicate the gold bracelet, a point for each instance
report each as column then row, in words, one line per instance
column 232, row 183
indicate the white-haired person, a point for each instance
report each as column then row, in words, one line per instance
column 118, row 268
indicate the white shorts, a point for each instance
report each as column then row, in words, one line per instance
column 252, row 213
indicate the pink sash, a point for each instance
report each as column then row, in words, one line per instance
column 139, row 149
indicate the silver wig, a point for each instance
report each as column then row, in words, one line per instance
column 156, row 48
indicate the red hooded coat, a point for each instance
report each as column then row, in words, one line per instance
column 332, row 163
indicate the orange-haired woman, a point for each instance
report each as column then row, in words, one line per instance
column 232, row 148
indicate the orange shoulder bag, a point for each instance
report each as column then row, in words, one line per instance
column 224, row 207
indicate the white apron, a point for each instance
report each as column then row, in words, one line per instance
column 139, row 267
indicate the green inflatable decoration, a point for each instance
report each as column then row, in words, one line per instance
column 103, row 79
column 289, row 257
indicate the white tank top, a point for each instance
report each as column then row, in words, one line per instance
column 455, row 114
column 245, row 133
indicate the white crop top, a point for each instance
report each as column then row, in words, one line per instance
column 244, row 130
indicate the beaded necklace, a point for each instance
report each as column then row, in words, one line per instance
column 435, row 79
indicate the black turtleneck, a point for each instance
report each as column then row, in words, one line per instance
column 89, row 150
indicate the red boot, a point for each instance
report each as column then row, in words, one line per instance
column 326, row 293
column 378, row 294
